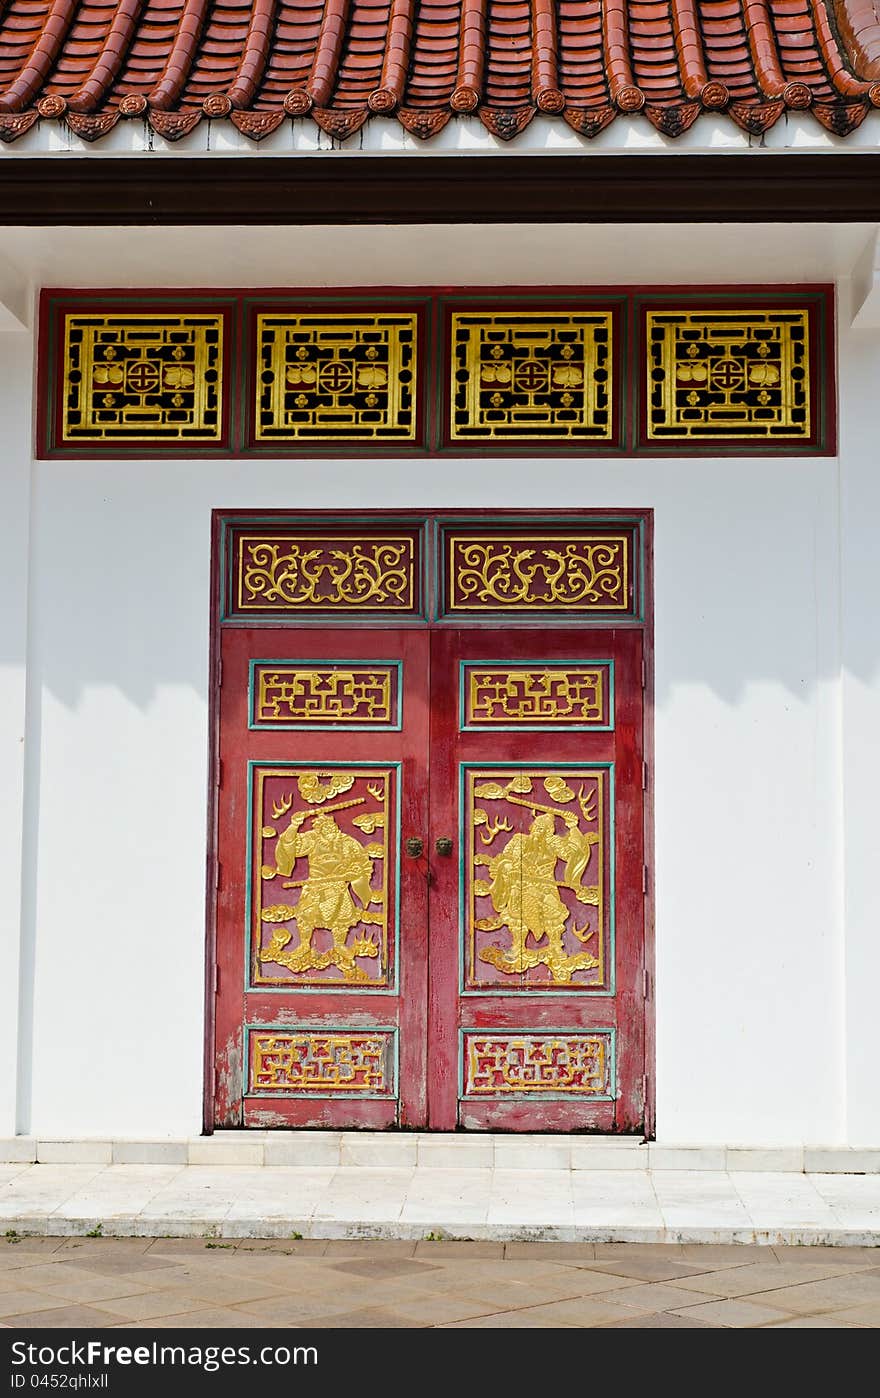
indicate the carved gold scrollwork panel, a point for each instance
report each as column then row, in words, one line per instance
column 536, row 913
column 323, row 376
column 728, row 374
column 530, row 1064
column 337, row 573
column 331, row 1062
column 132, row 377
column 531, row 572
column 323, row 882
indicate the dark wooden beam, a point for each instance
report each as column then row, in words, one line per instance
column 339, row 189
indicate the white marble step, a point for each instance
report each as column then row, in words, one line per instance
column 407, row 1150
column 491, row 1203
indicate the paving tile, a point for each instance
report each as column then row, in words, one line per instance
column 720, row 1255
column 217, row 1318
column 868, row 1315
column 833, row 1294
column 123, row 1266
column 842, row 1256
column 660, row 1320
column 305, row 1310
column 450, row 1250
column 291, row 1247
column 654, row 1296
column 511, row 1320
column 104, row 1248
column 13, row 1303
column 570, row 1253
column 584, row 1311
column 170, row 1247
column 734, row 1314
column 149, row 1304
column 371, row 1318
column 759, row 1277
column 360, row 1247
column 209, row 1284
column 10, row 1247
column 815, row 1322
column 652, row 1268
column 613, row 1252
column 65, row 1318
column 93, row 1288
column 442, row 1308
column 385, row 1267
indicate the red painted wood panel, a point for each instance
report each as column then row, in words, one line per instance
column 555, row 1037
column 325, row 1032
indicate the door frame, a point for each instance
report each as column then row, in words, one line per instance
column 220, row 518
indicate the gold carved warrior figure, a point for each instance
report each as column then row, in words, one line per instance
column 339, row 867
column 526, row 896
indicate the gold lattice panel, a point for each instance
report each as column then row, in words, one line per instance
column 728, row 374
column 313, row 695
column 542, row 376
column 323, row 1062
column 333, row 377
column 530, row 1064
column 549, row 695
column 133, row 378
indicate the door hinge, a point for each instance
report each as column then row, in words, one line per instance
column 219, row 671
column 218, row 772
column 644, row 776
column 216, row 979
column 646, row 983
column 218, row 876
column 644, row 878
column 644, row 674
column 645, row 1090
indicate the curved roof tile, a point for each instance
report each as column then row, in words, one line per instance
column 256, row 62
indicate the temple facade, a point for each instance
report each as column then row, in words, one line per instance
column 439, row 675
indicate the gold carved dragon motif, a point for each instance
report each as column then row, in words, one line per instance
column 324, row 839
column 537, row 877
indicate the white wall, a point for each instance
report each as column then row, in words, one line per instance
column 756, row 970
column 15, row 449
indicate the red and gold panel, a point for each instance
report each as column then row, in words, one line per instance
column 324, row 876
column 546, row 695
column 553, row 573
column 537, row 878
column 336, row 1062
column 308, row 694
column 564, row 1063
column 521, row 375
column 329, row 574
column 329, row 376
column 142, row 377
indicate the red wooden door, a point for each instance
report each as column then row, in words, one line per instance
column 536, row 984
column 322, row 917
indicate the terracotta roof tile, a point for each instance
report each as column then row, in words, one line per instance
column 257, row 62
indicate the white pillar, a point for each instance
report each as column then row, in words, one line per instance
column 859, row 381
column 15, row 470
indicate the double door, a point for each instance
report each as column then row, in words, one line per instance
column 430, row 906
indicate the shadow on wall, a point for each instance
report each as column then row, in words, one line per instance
column 746, row 571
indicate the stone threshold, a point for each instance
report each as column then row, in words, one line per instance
column 396, row 1230
column 409, row 1150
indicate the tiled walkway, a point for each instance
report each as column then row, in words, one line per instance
column 89, row 1283
column 489, row 1205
